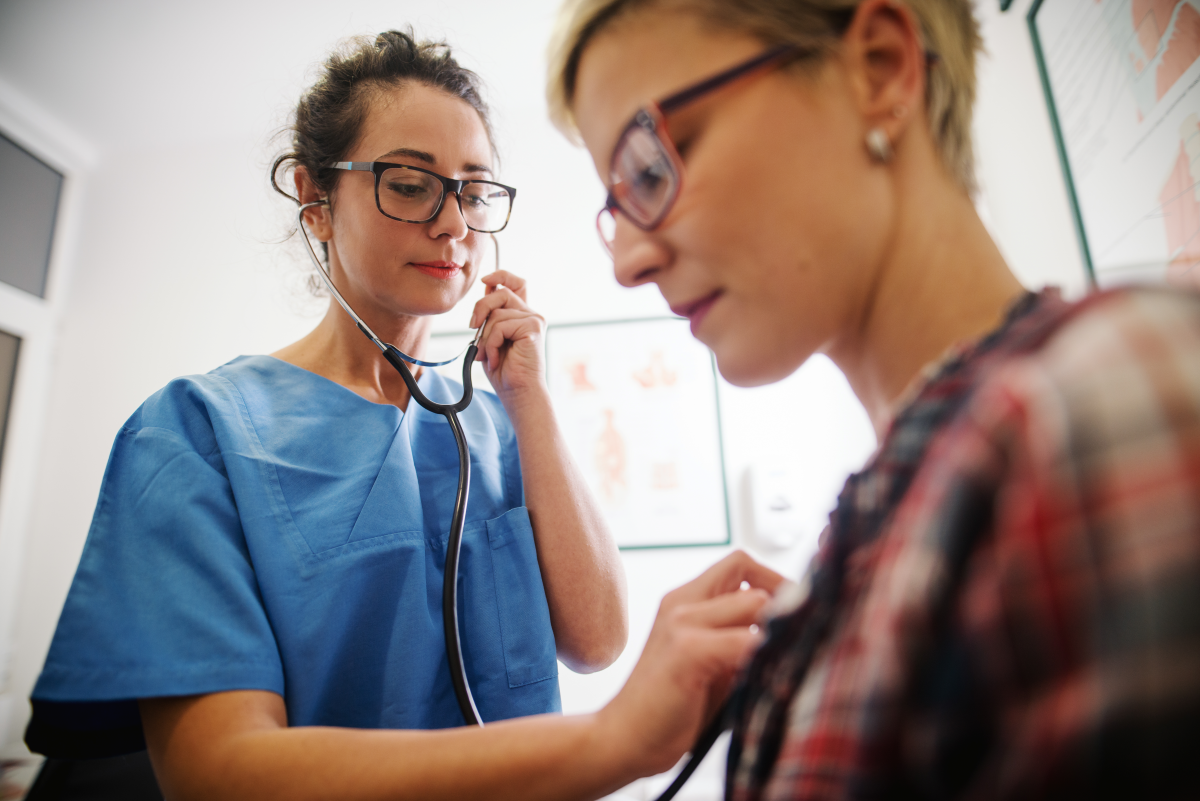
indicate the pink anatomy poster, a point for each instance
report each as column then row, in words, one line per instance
column 1123, row 81
column 637, row 402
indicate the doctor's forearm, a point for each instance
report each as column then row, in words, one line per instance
column 209, row 747
column 581, row 569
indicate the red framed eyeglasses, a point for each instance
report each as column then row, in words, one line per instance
column 645, row 171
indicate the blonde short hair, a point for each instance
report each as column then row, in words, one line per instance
column 948, row 29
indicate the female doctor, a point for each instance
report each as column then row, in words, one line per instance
column 265, row 561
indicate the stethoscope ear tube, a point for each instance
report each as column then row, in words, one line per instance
column 358, row 321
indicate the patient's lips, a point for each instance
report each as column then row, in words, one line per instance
column 696, row 310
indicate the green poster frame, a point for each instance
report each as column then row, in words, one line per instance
column 1060, row 142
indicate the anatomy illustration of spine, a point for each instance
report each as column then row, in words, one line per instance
column 610, row 461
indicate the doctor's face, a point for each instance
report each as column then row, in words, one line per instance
column 398, row 268
column 771, row 247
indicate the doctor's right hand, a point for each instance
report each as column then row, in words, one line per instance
column 704, row 633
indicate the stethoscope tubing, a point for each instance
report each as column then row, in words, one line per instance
column 398, row 359
column 700, row 749
column 450, row 629
column 458, row 669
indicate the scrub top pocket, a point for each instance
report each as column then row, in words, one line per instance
column 528, row 640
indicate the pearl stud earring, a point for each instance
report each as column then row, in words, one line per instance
column 879, row 146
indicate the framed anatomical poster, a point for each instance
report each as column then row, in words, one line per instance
column 1122, row 80
column 637, row 401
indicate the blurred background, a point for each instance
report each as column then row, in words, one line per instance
column 170, row 255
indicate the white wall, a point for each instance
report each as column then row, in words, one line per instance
column 173, row 269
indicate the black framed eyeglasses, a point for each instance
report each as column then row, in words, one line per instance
column 645, row 171
column 415, row 195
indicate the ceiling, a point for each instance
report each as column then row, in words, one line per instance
column 130, row 75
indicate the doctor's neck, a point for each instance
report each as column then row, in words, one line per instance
column 337, row 350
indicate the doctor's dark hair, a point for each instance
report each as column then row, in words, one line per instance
column 329, row 117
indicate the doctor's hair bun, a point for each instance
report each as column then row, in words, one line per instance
column 330, row 114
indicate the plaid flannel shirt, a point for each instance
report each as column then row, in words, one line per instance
column 1007, row 601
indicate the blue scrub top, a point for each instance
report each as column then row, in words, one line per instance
column 261, row 527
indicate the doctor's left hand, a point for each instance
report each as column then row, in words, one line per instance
column 511, row 346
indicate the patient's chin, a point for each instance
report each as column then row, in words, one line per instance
column 763, row 366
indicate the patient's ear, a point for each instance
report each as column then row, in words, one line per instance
column 883, row 52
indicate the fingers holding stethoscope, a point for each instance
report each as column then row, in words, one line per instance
column 704, row 633
column 503, row 279
column 511, row 346
column 501, row 294
column 510, row 342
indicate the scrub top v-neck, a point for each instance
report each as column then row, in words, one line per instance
column 261, row 527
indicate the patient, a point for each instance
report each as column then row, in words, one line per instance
column 1006, row 603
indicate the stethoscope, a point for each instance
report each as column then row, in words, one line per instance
column 397, row 358
column 458, row 671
